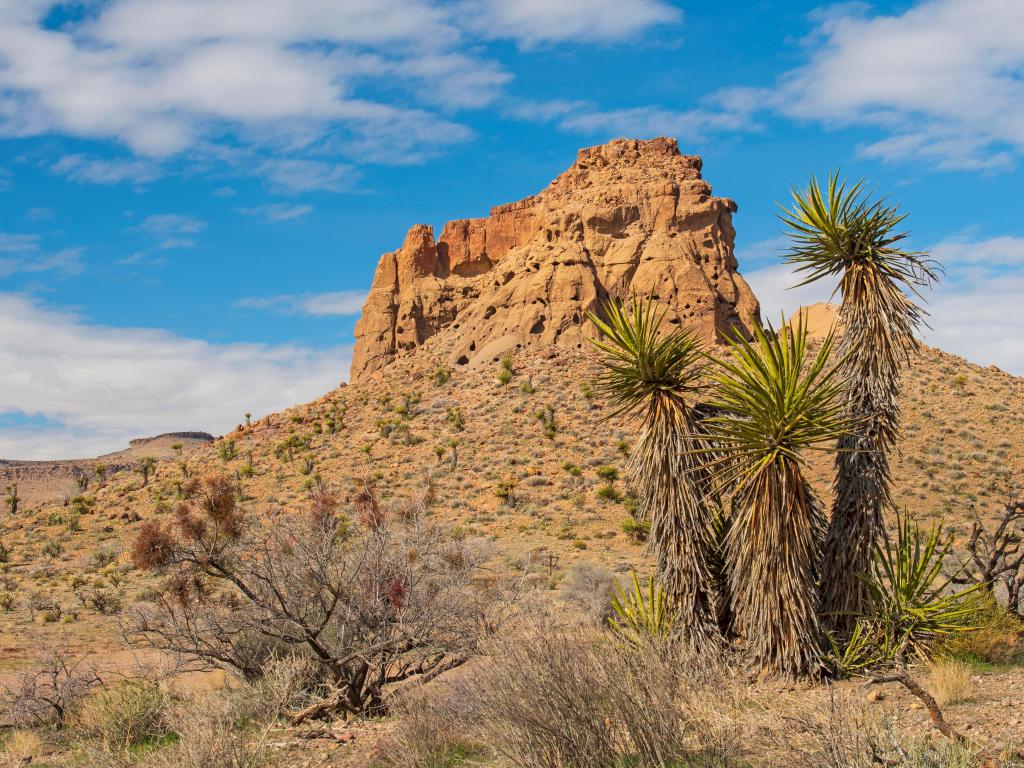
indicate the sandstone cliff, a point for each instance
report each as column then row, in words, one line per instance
column 627, row 216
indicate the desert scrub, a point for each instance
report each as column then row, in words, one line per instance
column 609, row 493
column 127, row 714
column 637, row 530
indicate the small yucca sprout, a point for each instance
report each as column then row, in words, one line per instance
column 643, row 615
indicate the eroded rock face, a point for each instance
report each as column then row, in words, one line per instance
column 628, row 216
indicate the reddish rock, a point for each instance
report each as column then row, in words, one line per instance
column 628, row 216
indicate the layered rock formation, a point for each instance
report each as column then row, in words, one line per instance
column 627, row 217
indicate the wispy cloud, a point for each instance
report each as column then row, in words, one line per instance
column 23, row 254
column 275, row 212
column 164, row 224
column 102, row 171
column 941, row 82
column 104, row 385
column 533, row 22
column 310, row 304
column 974, row 311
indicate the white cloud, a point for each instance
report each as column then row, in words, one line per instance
column 295, row 80
column 530, row 22
column 164, row 224
column 25, row 256
column 18, row 243
column 942, row 82
column 99, row 171
column 277, row 211
column 296, row 175
column 105, row 385
column 312, row 304
column 943, row 78
column 974, row 312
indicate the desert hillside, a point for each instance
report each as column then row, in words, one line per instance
column 40, row 482
column 535, row 464
column 474, row 380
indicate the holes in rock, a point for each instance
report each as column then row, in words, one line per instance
column 472, row 346
column 489, row 313
column 538, row 327
column 462, row 360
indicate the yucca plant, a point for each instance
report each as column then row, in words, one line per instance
column 841, row 232
column 776, row 401
column 655, row 376
column 912, row 603
column 643, row 615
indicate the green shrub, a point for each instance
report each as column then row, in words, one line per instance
column 125, row 715
column 608, row 472
column 638, row 530
column 608, row 492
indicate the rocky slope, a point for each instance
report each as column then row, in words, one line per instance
column 40, row 482
column 627, row 216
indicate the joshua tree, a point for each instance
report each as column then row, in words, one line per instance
column 842, row 232
column 248, row 419
column 654, row 376
column 101, row 473
column 12, row 499
column 774, row 401
column 146, row 466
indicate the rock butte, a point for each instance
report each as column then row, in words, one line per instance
column 627, row 217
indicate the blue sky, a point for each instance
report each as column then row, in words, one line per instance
column 194, row 193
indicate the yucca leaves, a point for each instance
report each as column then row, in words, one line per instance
column 643, row 614
column 841, row 232
column 912, row 601
column 775, row 401
column 644, row 368
column 911, row 597
column 651, row 375
column 844, row 229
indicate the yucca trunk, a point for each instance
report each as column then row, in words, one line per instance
column 872, row 349
column 772, row 552
column 672, row 486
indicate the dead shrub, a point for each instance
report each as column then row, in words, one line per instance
column 215, row 731
column 589, row 586
column 48, row 689
column 152, row 547
column 846, row 734
column 433, row 730
column 372, row 605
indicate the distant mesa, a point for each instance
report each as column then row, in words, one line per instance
column 204, row 437
column 628, row 216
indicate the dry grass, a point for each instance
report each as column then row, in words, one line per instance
column 555, row 696
column 950, row 682
column 124, row 715
column 21, row 748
